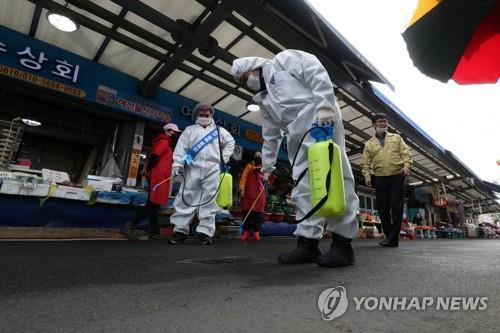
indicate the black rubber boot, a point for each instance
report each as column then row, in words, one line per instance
column 128, row 231
column 307, row 250
column 177, row 238
column 340, row 254
column 205, row 239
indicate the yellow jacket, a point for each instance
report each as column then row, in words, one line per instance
column 387, row 160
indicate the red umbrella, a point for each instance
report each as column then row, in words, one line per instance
column 456, row 39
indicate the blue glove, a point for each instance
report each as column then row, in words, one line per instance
column 188, row 159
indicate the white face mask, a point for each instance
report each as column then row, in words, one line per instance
column 204, row 121
column 253, row 82
column 381, row 130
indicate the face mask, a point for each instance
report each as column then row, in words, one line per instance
column 204, row 121
column 253, row 82
column 257, row 160
column 381, row 130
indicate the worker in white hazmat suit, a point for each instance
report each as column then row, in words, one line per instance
column 294, row 91
column 197, row 156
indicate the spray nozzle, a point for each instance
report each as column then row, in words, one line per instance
column 321, row 133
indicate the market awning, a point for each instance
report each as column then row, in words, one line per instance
column 187, row 47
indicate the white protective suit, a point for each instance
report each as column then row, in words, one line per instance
column 201, row 178
column 297, row 87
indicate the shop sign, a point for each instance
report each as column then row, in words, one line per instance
column 40, row 81
column 253, row 136
column 35, row 60
column 111, row 97
column 133, row 170
column 138, row 140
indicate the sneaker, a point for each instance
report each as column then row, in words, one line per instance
column 256, row 236
column 205, row 239
column 177, row 238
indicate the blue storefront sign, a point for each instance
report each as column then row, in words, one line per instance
column 30, row 60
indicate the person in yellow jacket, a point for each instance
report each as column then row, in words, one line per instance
column 388, row 158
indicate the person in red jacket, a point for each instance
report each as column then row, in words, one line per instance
column 252, row 190
column 158, row 167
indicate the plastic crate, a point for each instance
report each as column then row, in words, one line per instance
column 119, row 198
column 69, row 192
column 139, row 199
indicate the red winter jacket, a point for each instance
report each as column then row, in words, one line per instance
column 252, row 183
column 161, row 170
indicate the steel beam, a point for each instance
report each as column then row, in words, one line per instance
column 149, row 88
column 35, row 20
column 134, row 44
column 106, row 41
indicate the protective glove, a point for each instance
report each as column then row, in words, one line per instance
column 325, row 117
column 188, row 159
column 265, row 177
column 176, row 171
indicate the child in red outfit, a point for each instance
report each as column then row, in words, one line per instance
column 252, row 194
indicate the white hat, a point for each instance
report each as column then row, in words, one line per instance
column 171, row 126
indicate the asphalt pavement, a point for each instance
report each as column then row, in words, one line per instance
column 232, row 286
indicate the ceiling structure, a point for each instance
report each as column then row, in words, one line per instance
column 187, row 47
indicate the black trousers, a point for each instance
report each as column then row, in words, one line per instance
column 390, row 203
column 253, row 221
column 151, row 210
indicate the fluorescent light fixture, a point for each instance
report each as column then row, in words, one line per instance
column 60, row 20
column 31, row 122
column 435, row 179
column 253, row 107
column 416, row 183
column 450, row 177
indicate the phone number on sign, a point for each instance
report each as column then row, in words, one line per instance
column 40, row 81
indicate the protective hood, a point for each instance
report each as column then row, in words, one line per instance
column 243, row 65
